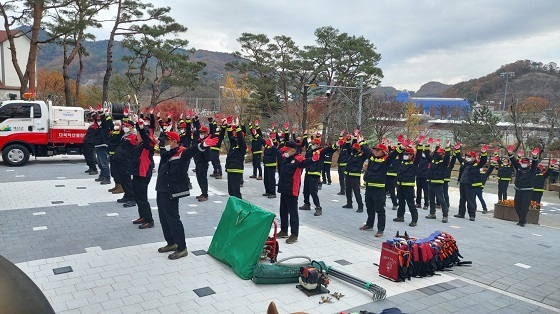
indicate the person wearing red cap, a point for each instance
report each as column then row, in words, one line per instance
column 100, row 141
column 326, row 171
column 391, row 179
column 525, row 171
column 353, row 175
column 89, row 146
column 215, row 150
column 270, row 156
column 540, row 178
column 406, row 179
column 235, row 159
column 316, row 154
column 289, row 185
column 122, row 158
column 469, row 179
column 505, row 172
column 171, row 185
column 345, row 143
column 201, row 159
column 256, row 149
column 379, row 161
column 438, row 163
column 185, row 132
column 141, row 166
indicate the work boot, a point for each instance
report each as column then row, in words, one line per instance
column 146, row 225
column 272, row 196
column 138, row 221
column 485, row 211
column 320, row 187
column 329, row 183
column 266, row 194
column 291, row 239
column 399, row 219
column 118, row 190
column 122, row 200
column 418, row 206
column 305, row 207
column 340, row 193
column 395, row 207
column 431, row 216
column 459, row 216
column 347, row 206
column 412, row 224
column 360, row 210
column 129, row 204
column 282, row 234
column 366, row 228
column 253, row 177
column 318, row 211
column 213, row 174
column 379, row 234
column 444, row 220
column 106, row 181
column 259, row 178
column 113, row 188
column 203, row 199
column 168, row 248
column 178, row 254
column 93, row 172
column 425, row 207
column 218, row 176
column 471, row 219
column 88, row 171
column 99, row 179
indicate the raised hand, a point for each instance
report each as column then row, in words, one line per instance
column 535, row 152
column 484, row 148
column 400, row 138
column 520, row 153
column 181, row 116
column 210, row 141
column 342, row 132
column 496, row 151
column 356, row 132
column 286, row 125
column 420, row 139
column 256, row 122
column 457, row 146
column 430, row 141
column 299, row 158
column 140, row 123
column 151, row 110
column 229, row 120
column 552, row 162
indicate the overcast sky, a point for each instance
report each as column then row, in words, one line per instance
column 419, row 40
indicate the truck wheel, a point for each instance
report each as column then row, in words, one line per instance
column 15, row 155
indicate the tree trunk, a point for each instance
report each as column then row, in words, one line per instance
column 304, row 101
column 110, row 44
column 79, row 74
column 29, row 78
column 66, row 77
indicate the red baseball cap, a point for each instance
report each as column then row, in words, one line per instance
column 173, row 136
column 204, row 129
column 316, row 141
column 382, row 147
column 473, row 154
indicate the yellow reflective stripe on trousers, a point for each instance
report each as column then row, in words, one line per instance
column 257, row 152
column 215, row 148
column 504, row 179
column 392, row 174
column 314, row 173
column 342, row 165
column 538, row 190
column 477, row 184
column 235, row 170
column 270, row 164
column 406, row 183
column 327, row 162
column 375, row 185
column 354, row 174
column 447, row 179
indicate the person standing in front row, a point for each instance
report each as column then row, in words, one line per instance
column 525, row 171
column 343, row 156
column 289, row 185
column 235, row 157
column 141, row 166
column 171, row 185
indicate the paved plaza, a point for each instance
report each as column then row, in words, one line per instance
column 53, row 215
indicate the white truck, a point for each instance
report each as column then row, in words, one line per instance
column 39, row 129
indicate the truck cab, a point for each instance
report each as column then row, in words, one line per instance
column 39, row 129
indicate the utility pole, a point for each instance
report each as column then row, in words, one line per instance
column 507, row 75
column 361, row 87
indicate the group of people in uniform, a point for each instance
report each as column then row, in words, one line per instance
column 124, row 150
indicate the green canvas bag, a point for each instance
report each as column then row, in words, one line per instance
column 279, row 272
column 240, row 236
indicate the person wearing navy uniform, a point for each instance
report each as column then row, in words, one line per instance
column 525, row 171
column 438, row 163
column 172, row 185
column 235, row 158
column 469, row 179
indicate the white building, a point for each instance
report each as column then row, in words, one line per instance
column 9, row 81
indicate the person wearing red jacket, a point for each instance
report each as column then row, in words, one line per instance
column 141, row 166
column 289, row 184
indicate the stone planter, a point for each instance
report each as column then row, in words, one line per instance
column 508, row 213
column 554, row 187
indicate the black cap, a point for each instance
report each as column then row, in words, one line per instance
column 290, row 144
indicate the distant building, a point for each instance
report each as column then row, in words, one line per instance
column 9, row 81
column 445, row 108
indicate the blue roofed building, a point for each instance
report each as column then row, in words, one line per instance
column 444, row 108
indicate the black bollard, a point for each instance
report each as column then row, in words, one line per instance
column 18, row 293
